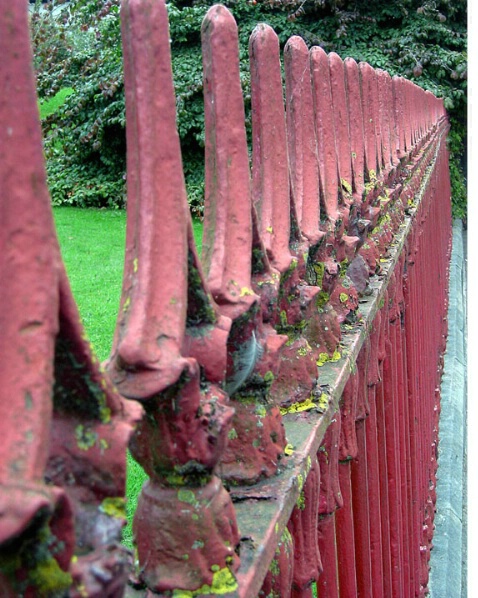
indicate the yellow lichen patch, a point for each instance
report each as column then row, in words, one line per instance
column 300, row 481
column 346, row 185
column 324, row 358
column 261, row 411
column 304, row 350
column 105, row 412
column 323, row 402
column 269, row 229
column 223, row 582
column 298, row 407
column 335, row 357
column 246, row 291
column 114, row 506
column 343, row 297
column 135, row 265
column 85, row 437
column 82, row 591
column 289, row 450
column 300, row 503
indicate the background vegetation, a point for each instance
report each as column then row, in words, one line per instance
column 77, row 48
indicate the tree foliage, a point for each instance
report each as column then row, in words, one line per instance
column 78, row 46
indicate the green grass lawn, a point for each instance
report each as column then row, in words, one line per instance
column 92, row 246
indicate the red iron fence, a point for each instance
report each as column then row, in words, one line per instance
column 282, row 392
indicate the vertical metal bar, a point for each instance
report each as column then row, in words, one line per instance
column 356, row 124
column 328, row 584
column 227, row 232
column 303, row 528
column 324, row 124
column 344, row 533
column 270, row 167
column 329, row 499
column 183, row 434
column 384, row 492
column 302, row 142
column 373, row 464
column 390, row 397
column 360, row 499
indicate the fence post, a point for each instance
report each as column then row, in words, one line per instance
column 64, row 428
column 184, row 528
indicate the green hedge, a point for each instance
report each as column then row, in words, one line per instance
column 79, row 49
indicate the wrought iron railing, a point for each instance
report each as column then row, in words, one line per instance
column 281, row 392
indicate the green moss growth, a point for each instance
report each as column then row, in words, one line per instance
column 200, row 310
column 322, row 299
column 48, row 579
column 343, row 267
column 319, row 269
column 35, row 556
column 232, row 434
column 187, row 496
column 258, row 264
column 300, row 503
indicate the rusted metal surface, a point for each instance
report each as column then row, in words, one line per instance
column 283, row 387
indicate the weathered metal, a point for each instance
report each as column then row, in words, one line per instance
column 168, row 326
column 296, row 363
column 64, row 427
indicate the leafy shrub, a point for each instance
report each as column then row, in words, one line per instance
column 79, row 47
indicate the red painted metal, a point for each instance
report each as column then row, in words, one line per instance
column 182, row 437
column 303, row 528
column 64, row 427
column 341, row 122
column 270, row 172
column 302, row 142
column 356, row 125
column 361, row 513
column 333, row 253
column 227, row 227
column 344, row 534
column 328, row 583
column 324, row 124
